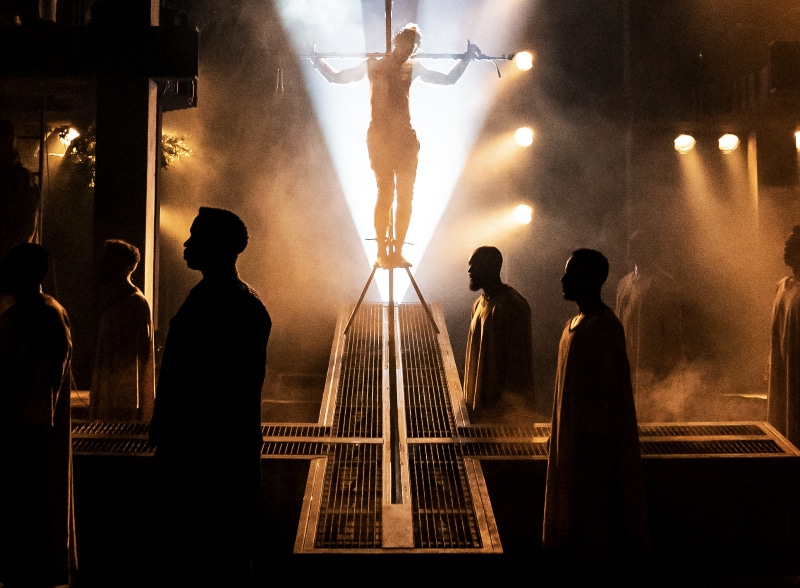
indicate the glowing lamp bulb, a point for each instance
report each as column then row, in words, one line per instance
column 524, row 136
column 797, row 140
column 523, row 60
column 728, row 143
column 684, row 143
column 523, row 214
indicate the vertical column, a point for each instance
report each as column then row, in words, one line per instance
column 125, row 180
column 128, row 145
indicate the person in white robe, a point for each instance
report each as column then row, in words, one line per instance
column 783, row 397
column 498, row 371
column 123, row 378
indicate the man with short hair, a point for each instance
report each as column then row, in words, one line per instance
column 123, row 378
column 206, row 425
column 391, row 140
column 783, row 400
column 498, row 372
column 595, row 515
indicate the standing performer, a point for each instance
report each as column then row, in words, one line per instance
column 391, row 140
column 783, row 401
column 37, row 527
column 212, row 372
column 595, row 513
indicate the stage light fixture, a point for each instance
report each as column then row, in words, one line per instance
column 524, row 136
column 523, row 214
column 67, row 135
column 728, row 143
column 684, row 143
column 523, row 60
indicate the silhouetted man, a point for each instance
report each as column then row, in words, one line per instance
column 207, row 420
column 498, row 375
column 19, row 199
column 19, row 194
column 37, row 541
column 123, row 378
column 391, row 140
column 783, row 401
column 594, row 518
column 648, row 306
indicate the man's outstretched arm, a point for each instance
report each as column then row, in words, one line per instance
column 345, row 76
column 451, row 77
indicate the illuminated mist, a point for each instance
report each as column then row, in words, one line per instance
column 447, row 119
column 287, row 152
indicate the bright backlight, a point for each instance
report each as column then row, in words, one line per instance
column 728, row 143
column 524, row 136
column 523, row 214
column 523, row 60
column 684, row 143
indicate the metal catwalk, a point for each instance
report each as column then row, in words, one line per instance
column 401, row 473
column 394, row 475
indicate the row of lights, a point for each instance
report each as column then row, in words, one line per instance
column 727, row 143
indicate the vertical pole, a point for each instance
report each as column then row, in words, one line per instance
column 394, row 437
column 388, row 26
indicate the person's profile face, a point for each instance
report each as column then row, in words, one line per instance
column 574, row 282
column 197, row 248
column 477, row 269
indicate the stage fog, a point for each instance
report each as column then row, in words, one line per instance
column 592, row 176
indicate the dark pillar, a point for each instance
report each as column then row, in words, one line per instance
column 128, row 145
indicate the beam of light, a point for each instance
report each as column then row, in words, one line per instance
column 684, row 143
column 728, row 143
column 175, row 222
column 447, row 118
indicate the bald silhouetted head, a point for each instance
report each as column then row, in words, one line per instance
column 585, row 273
column 484, row 268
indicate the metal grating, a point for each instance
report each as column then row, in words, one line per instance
column 444, row 516
column 295, row 449
column 504, row 450
column 428, row 410
column 80, row 427
column 350, row 509
column 700, row 430
column 503, row 432
column 358, row 410
column 281, row 430
column 737, row 447
column 111, row 446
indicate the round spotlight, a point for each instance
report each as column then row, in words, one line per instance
column 728, row 143
column 524, row 136
column 523, row 60
column 523, row 214
column 684, row 143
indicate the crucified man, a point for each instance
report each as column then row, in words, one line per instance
column 391, row 140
